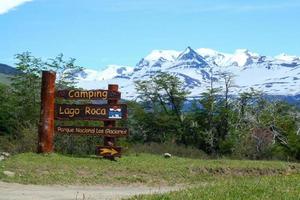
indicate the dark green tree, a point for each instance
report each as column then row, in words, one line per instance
column 7, row 113
column 163, row 97
column 66, row 71
column 26, row 87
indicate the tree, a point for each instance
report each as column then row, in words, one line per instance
column 7, row 117
column 225, row 110
column 163, row 97
column 66, row 71
column 205, row 117
column 26, row 84
column 26, row 87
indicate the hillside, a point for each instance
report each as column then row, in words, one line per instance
column 6, row 72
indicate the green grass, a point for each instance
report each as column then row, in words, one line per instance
column 264, row 187
column 143, row 169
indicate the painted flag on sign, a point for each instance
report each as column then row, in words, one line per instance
column 115, row 113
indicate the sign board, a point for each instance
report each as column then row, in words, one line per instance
column 89, row 94
column 108, row 151
column 91, row 112
column 94, row 131
column 108, row 113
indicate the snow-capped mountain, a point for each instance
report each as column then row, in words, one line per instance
column 279, row 75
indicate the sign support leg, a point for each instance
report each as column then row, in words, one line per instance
column 46, row 124
column 110, row 141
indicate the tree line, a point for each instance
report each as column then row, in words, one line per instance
column 246, row 125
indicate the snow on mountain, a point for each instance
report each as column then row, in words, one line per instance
column 287, row 58
column 95, row 79
column 165, row 54
column 241, row 58
column 197, row 68
column 189, row 59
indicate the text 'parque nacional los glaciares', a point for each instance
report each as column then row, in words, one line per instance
column 94, row 131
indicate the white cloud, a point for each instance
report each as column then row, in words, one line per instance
column 197, row 6
column 7, row 5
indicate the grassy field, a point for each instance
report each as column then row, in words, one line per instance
column 140, row 169
column 261, row 187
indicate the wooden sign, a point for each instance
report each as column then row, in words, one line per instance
column 108, row 151
column 91, row 112
column 108, row 113
column 93, row 131
column 88, row 94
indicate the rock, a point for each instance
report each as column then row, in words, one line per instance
column 2, row 157
column 167, row 155
column 9, row 173
column 5, row 154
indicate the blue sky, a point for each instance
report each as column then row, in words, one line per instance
column 102, row 32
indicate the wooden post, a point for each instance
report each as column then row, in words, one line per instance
column 46, row 124
column 110, row 141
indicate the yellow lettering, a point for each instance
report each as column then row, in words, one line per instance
column 60, row 111
column 95, row 111
column 71, row 112
column 115, row 132
column 90, row 94
column 87, row 110
column 71, row 93
column 104, row 94
column 103, row 111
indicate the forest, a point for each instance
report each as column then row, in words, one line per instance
column 218, row 124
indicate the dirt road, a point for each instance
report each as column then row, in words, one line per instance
column 14, row 191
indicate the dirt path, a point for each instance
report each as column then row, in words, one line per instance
column 14, row 191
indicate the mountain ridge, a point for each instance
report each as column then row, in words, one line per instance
column 8, row 70
column 278, row 75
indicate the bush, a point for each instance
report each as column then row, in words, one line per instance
column 25, row 141
column 79, row 145
column 247, row 148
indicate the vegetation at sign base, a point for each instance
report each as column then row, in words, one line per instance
column 146, row 169
column 267, row 188
column 245, row 126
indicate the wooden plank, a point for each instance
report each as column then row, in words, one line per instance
column 108, row 151
column 90, row 112
column 88, row 94
column 92, row 131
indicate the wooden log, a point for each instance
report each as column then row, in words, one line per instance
column 46, row 124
